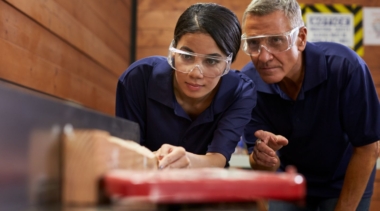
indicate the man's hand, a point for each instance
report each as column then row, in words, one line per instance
column 170, row 156
column 264, row 151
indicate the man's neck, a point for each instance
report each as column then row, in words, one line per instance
column 292, row 85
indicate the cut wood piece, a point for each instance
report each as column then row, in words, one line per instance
column 89, row 154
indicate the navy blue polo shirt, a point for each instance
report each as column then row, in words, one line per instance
column 337, row 109
column 145, row 95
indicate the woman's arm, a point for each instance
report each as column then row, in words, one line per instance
column 176, row 157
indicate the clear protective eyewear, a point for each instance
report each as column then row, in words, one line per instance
column 209, row 66
column 272, row 43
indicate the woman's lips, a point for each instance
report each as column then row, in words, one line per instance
column 193, row 87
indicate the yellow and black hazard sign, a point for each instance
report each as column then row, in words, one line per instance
column 336, row 22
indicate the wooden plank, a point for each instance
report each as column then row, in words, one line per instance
column 52, row 16
column 84, row 14
column 149, row 5
column 145, row 52
column 148, row 38
column 158, row 19
column 37, row 40
column 162, row 19
column 375, row 205
column 116, row 14
column 127, row 3
column 37, row 73
column 89, row 154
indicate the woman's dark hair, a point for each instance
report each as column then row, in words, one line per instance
column 217, row 21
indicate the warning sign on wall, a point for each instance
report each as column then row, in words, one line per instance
column 335, row 23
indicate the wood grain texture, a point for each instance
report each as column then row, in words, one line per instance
column 116, row 14
column 72, row 49
column 59, row 21
column 99, row 25
column 89, row 154
column 38, row 59
column 148, row 5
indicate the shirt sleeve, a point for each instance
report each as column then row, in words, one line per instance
column 131, row 97
column 231, row 125
column 360, row 105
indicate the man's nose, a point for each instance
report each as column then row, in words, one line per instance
column 264, row 54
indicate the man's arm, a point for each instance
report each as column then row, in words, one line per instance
column 357, row 175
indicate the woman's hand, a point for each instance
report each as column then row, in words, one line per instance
column 170, row 156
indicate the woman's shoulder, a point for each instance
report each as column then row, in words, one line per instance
column 235, row 83
column 143, row 67
column 239, row 77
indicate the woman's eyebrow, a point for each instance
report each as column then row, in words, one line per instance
column 187, row 49
column 184, row 48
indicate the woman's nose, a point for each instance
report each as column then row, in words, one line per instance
column 196, row 71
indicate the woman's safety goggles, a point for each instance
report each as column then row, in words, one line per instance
column 272, row 43
column 209, row 66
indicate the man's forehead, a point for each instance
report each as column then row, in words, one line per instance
column 271, row 24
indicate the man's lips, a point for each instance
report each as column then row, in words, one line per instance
column 267, row 69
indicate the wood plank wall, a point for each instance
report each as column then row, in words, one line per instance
column 72, row 49
column 156, row 20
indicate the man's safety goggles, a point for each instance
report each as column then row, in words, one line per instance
column 272, row 43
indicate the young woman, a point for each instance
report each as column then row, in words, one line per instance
column 191, row 108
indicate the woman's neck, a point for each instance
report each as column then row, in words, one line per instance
column 193, row 106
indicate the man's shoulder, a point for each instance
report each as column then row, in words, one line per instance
column 337, row 50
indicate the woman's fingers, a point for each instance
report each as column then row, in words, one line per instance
column 174, row 157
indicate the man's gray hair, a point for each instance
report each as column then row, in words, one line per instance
column 291, row 9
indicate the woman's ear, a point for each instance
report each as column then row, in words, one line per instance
column 302, row 37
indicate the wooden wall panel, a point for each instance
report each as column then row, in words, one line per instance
column 54, row 17
column 97, row 25
column 157, row 19
column 72, row 49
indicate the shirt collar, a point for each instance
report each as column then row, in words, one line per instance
column 227, row 87
column 160, row 86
